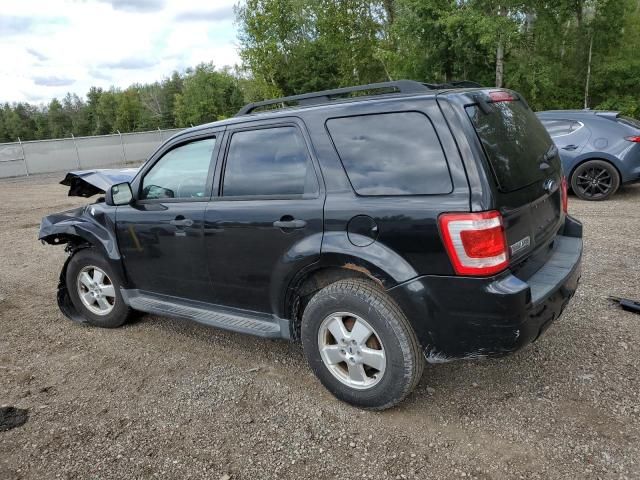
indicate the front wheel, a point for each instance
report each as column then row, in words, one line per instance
column 94, row 289
column 595, row 180
column 360, row 345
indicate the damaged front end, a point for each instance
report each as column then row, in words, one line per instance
column 87, row 183
column 89, row 226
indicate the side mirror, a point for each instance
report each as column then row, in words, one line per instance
column 119, row 194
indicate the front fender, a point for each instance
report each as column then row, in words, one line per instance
column 90, row 223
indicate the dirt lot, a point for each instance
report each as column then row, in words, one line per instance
column 166, row 398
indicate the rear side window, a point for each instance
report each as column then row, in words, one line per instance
column 558, row 128
column 391, row 154
column 269, row 162
column 514, row 141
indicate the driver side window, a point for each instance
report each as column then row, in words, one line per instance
column 180, row 173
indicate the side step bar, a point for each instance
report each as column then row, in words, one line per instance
column 235, row 320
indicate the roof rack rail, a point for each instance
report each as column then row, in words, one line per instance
column 454, row 84
column 401, row 86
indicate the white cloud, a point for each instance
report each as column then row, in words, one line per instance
column 50, row 47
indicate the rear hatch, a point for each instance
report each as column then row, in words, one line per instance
column 525, row 166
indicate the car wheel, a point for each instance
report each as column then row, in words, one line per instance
column 595, row 180
column 94, row 289
column 360, row 345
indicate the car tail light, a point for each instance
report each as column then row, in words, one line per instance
column 564, row 188
column 475, row 242
column 634, row 139
column 500, row 96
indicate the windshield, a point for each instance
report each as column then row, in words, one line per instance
column 514, row 141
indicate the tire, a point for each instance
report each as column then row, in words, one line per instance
column 595, row 180
column 90, row 262
column 360, row 305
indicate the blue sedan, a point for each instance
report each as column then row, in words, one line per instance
column 599, row 150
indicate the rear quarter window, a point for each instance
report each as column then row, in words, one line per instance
column 391, row 154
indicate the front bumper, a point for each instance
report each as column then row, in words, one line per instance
column 464, row 317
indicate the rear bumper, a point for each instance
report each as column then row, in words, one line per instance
column 463, row 317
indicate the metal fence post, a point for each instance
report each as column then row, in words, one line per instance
column 24, row 157
column 160, row 133
column 124, row 153
column 77, row 152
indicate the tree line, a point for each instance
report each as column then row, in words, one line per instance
column 559, row 54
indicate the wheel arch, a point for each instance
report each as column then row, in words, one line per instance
column 330, row 269
column 604, row 157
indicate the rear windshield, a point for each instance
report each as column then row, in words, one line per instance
column 514, row 141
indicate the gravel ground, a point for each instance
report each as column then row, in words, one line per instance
column 171, row 399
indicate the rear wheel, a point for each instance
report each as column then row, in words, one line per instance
column 94, row 289
column 595, row 180
column 360, row 345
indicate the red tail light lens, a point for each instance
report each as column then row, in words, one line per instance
column 565, row 194
column 475, row 242
column 634, row 139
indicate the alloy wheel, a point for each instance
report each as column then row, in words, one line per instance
column 594, row 182
column 96, row 290
column 351, row 350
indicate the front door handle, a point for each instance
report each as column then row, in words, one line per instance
column 570, row 147
column 180, row 221
column 284, row 222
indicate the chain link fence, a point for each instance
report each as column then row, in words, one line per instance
column 79, row 153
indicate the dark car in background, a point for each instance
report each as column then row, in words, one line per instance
column 600, row 150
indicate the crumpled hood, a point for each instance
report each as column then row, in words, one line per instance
column 86, row 183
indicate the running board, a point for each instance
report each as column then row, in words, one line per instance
column 235, row 320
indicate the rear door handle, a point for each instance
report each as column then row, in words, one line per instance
column 290, row 224
column 180, row 221
column 570, row 147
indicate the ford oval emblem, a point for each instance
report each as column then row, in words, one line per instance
column 549, row 185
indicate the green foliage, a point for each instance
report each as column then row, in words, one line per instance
column 297, row 46
column 207, row 95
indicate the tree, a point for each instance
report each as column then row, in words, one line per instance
column 129, row 111
column 59, row 121
column 106, row 112
column 207, row 95
column 295, row 46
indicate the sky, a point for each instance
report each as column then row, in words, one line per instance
column 51, row 47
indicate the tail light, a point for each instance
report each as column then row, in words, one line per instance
column 475, row 242
column 565, row 194
column 634, row 139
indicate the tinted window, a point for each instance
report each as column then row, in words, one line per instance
column 391, row 154
column 514, row 141
column 180, row 173
column 269, row 161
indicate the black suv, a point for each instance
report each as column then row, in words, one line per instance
column 381, row 226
